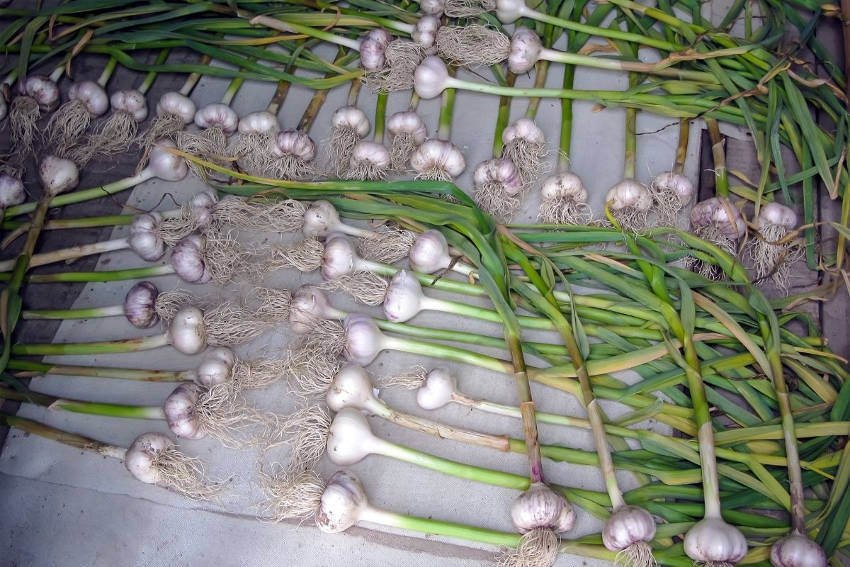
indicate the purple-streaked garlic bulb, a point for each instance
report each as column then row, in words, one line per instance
column 339, row 257
column 437, row 159
column 540, row 507
column 217, row 115
column 797, row 550
column 370, row 161
column 628, row 526
column 372, row 55
column 145, row 239
column 425, row 31
column 86, row 100
column 497, row 187
column 717, row 216
column 37, row 94
column 140, row 305
column 188, row 260
column 296, row 152
column 430, row 78
column 563, row 200
column 430, row 252
column 180, row 411
column 42, row 89
column 407, row 131
column 175, row 104
column 254, row 146
column 349, row 124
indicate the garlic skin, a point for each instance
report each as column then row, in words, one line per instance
column 407, row 122
column 404, row 297
column 201, row 207
column 179, row 408
column 797, row 550
column 11, row 191
column 177, row 104
column 91, row 95
column 140, row 456
column 58, row 175
column 437, row 390
column 140, row 305
column 716, row 212
column 307, row 305
column 42, row 89
column 132, row 102
column 776, row 214
column 713, row 540
column 542, row 507
column 381, row 36
column 351, row 388
column 216, row 367
column 217, row 115
column 629, row 193
column 430, row 77
column 372, row 55
column 675, row 183
column 509, row 11
column 350, row 439
column 498, row 171
column 187, row 332
column 187, row 259
column 626, row 526
column 164, row 164
column 372, row 156
column 339, row 257
column 525, row 51
column 566, row 185
column 351, row 117
column 363, row 340
column 261, row 122
column 320, row 219
column 438, row 155
column 341, row 503
column 145, row 239
column 432, row 7
column 523, row 129
column 425, row 31
column 430, row 252
column 297, row 144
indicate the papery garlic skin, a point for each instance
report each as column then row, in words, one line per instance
column 42, row 89
column 629, row 193
column 145, row 239
column 178, row 105
column 187, row 259
column 339, row 257
column 523, row 129
column 216, row 367
column 675, row 183
column 370, row 155
column 141, row 456
column 425, row 31
column 363, row 339
column 776, row 214
column 525, row 51
column 437, row 390
column 509, row 11
column 217, row 115
column 403, row 299
column 432, row 7
column 351, row 117
column 140, row 305
column 308, row 305
column 438, row 156
column 713, row 540
column 164, row 164
column 407, row 122
column 540, row 507
column 626, row 526
column 564, row 185
column 130, row 101
column 11, row 191
column 498, row 171
column 320, row 219
column 350, row 439
column 180, row 411
column 430, row 77
column 188, row 332
column 58, row 175
column 721, row 214
column 297, row 144
column 351, row 388
column 341, row 503
column 260, row 122
column 430, row 252
column 797, row 551
column 91, row 95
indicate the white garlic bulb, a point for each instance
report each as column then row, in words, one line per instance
column 438, row 155
column 437, row 390
column 351, row 117
column 523, row 129
column 629, row 193
column 430, row 252
column 540, row 507
column 626, row 526
column 11, row 191
column 721, row 214
column 261, row 122
column 350, row 439
column 297, row 144
column 180, row 411
column 565, row 185
column 713, row 540
column 776, row 214
column 797, row 551
column 91, row 95
column 42, row 89
column 309, row 304
column 498, row 171
column 525, row 51
column 407, row 122
column 674, row 183
column 145, row 239
column 341, row 503
column 404, row 297
column 58, row 175
column 425, row 31
column 217, row 115
column 216, row 366
column 178, row 105
column 188, row 333
column 141, row 456
column 430, row 78
column 130, row 101
column 363, row 340
column 164, row 164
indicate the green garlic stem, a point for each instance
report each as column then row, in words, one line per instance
column 30, row 367
column 149, row 79
column 107, row 72
column 64, row 314
column 107, row 347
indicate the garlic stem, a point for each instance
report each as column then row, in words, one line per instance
column 64, row 437
column 63, row 314
column 71, row 253
column 32, row 368
column 105, row 347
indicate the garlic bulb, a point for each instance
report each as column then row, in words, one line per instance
column 164, row 164
column 351, row 388
column 320, row 220
column 499, row 171
column 437, row 159
column 381, row 36
column 629, row 194
column 509, row 11
column 339, row 258
column 369, row 161
column 132, row 102
column 565, row 185
column 44, row 91
column 187, row 332
column 145, row 238
column 308, row 305
column 261, row 122
column 430, row 78
column 141, row 456
column 4, row 108
column 217, row 115
column 216, row 367
column 140, row 305
column 712, row 540
column 626, row 526
column 432, row 7
column 180, row 411
column 720, row 214
column 11, row 191
column 404, row 297
column 541, row 507
column 91, row 95
column 176, row 104
column 778, row 215
column 676, row 184
column 187, row 259
column 430, row 252
column 523, row 129
column 58, row 175
column 797, row 550
column 407, row 122
column 425, row 31
column 363, row 340
column 437, row 390
column 341, row 503
column 353, row 118
column 372, row 55
column 350, row 439
column 296, row 144
column 525, row 51
column 201, row 207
